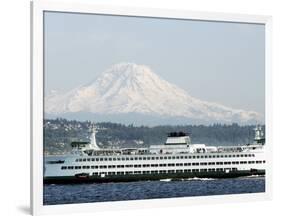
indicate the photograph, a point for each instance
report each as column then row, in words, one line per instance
column 139, row 107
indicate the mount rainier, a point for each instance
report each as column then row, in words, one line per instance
column 131, row 93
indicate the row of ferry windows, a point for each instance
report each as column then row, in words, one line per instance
column 161, row 165
column 163, row 171
column 161, row 158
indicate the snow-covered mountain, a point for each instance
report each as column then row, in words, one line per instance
column 128, row 88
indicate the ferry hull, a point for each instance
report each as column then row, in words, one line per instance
column 151, row 177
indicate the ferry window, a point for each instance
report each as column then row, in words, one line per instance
column 165, row 157
column 253, row 155
column 156, row 158
column 178, row 171
column 105, row 159
column 76, row 160
column 161, row 158
column 127, row 158
column 203, row 164
column 169, row 157
column 264, row 161
column 190, row 157
column 114, row 159
column 101, row 159
column 88, row 159
column 70, row 167
column 242, row 156
column 203, row 170
column 118, row 158
column 181, row 157
column 171, row 164
column 131, row 158
column 237, row 155
column 93, row 159
column 63, row 167
column 177, row 157
column 111, row 173
column 80, row 160
column 185, row 157
column 123, row 159
column 140, row 158
column 193, row 157
column 173, row 157
column 171, row 171
column 84, row 159
column 198, row 156
column 152, row 158
column 148, row 158
column 95, row 173
column 136, row 158
column 144, row 158
column 97, row 159
column 110, row 159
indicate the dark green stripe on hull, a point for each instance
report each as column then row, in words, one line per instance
column 151, row 177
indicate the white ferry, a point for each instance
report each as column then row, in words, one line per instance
column 177, row 158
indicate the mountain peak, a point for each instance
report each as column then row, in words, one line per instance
column 127, row 88
column 128, row 69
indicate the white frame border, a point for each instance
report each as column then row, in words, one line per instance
column 37, row 9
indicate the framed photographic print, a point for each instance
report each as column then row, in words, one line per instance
column 156, row 107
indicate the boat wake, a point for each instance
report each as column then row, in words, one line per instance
column 165, row 180
column 255, row 176
column 198, row 179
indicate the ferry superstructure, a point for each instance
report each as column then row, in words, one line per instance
column 177, row 158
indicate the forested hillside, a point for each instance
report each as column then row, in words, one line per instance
column 58, row 133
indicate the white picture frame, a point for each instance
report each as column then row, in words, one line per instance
column 37, row 10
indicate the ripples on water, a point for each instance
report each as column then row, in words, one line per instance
column 86, row 193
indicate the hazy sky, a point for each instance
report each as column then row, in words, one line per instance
column 214, row 61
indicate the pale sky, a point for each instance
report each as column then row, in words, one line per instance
column 214, row 61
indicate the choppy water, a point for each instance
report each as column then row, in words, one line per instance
column 86, row 193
